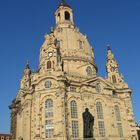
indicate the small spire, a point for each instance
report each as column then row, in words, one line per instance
column 27, row 62
column 108, row 47
column 63, row 1
column 27, row 65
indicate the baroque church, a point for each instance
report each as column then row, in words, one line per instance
column 51, row 100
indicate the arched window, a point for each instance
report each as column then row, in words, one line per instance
column 74, row 119
column 73, row 105
column 48, row 64
column 99, row 110
column 117, row 113
column 100, row 117
column 58, row 43
column 49, row 108
column 81, row 44
column 49, row 126
column 67, row 15
column 118, row 120
column 89, row 71
column 114, row 79
column 58, row 16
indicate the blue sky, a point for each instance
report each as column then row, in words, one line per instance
column 23, row 24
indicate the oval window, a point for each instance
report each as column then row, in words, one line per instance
column 48, row 84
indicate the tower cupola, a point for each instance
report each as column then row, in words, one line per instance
column 64, row 15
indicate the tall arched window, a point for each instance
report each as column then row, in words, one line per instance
column 48, row 64
column 67, row 15
column 49, row 108
column 74, row 119
column 49, row 127
column 117, row 113
column 114, row 79
column 73, row 109
column 99, row 110
column 89, row 71
column 118, row 120
column 100, row 119
column 58, row 16
column 81, row 44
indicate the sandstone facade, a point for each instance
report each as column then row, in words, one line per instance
column 51, row 100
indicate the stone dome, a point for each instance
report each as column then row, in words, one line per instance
column 76, row 52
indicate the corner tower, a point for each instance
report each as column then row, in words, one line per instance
column 112, row 69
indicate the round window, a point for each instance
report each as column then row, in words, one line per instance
column 48, row 84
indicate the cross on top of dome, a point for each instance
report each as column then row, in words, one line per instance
column 63, row 3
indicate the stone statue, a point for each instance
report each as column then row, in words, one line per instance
column 88, row 122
